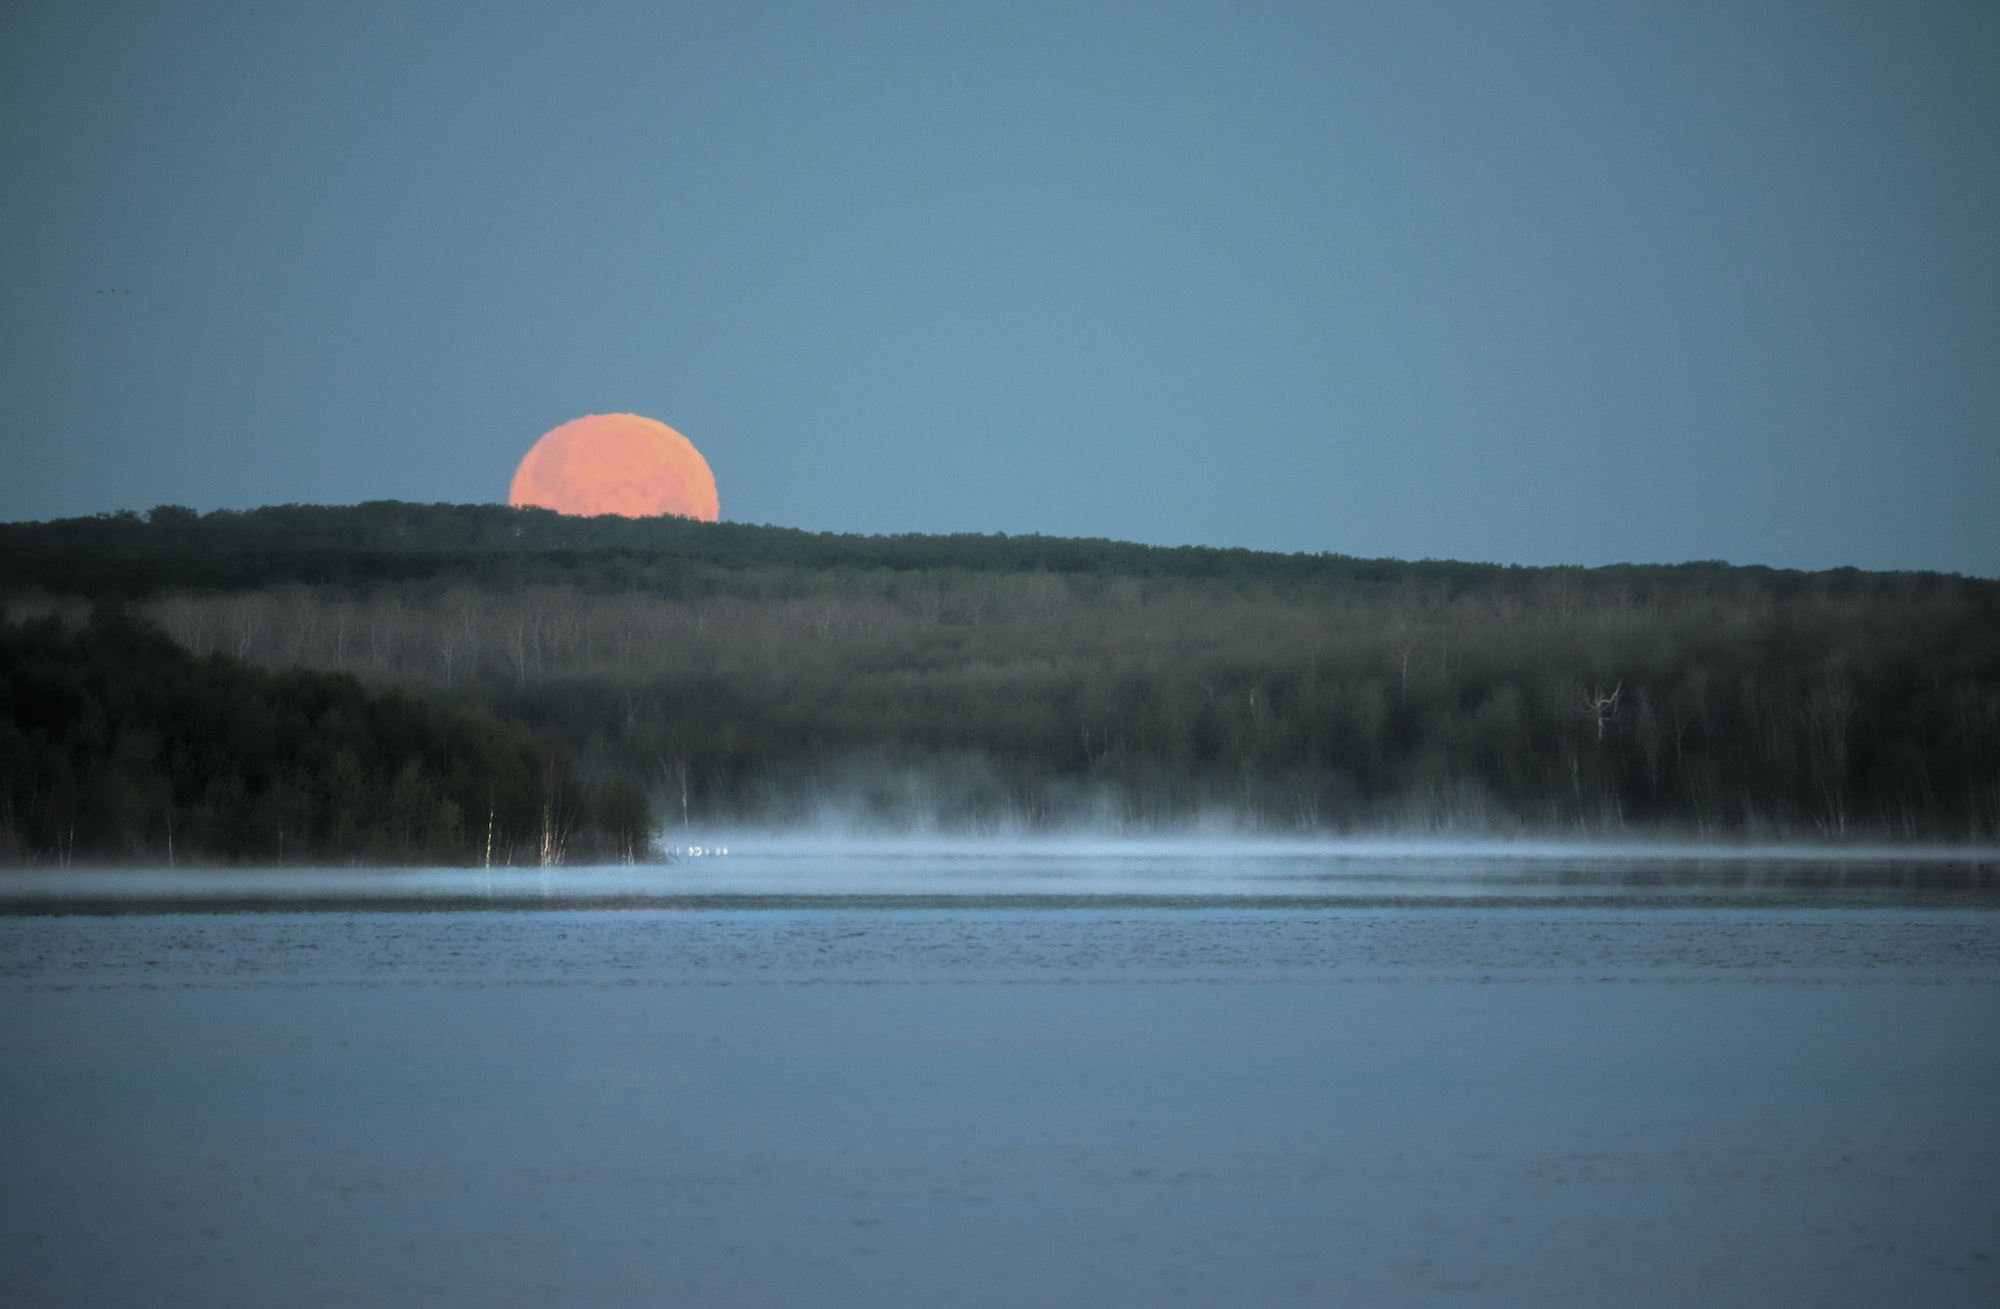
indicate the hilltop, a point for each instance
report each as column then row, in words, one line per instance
column 744, row 673
column 128, row 555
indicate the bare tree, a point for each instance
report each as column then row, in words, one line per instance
column 1652, row 739
column 522, row 642
column 927, row 604
column 1043, row 596
column 557, row 620
column 826, row 617
column 448, row 640
column 385, row 629
column 1829, row 712
column 555, row 833
column 1602, row 708
column 633, row 626
column 186, row 619
column 455, row 631
column 246, row 620
column 674, row 777
column 302, row 614
column 341, row 626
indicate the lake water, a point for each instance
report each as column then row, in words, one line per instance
column 1009, row 1075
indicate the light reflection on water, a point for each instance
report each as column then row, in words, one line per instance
column 787, row 871
column 1014, row 1075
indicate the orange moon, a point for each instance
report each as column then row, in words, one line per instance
column 616, row 464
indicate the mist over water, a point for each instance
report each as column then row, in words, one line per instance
column 792, row 867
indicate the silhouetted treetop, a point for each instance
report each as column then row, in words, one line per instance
column 126, row 555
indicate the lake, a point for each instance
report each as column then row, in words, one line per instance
column 1024, row 1073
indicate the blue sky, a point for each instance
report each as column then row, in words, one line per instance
column 1517, row 282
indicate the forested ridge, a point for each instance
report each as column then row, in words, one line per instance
column 128, row 556
column 117, row 744
column 740, row 673
column 132, row 556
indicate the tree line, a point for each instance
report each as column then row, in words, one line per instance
column 128, row 555
column 118, row 744
column 1027, row 682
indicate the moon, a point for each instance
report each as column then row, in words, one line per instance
column 616, row 464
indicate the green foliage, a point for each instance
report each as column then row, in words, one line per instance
column 116, row 743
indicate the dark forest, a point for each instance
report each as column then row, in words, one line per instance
column 726, row 673
column 116, row 744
